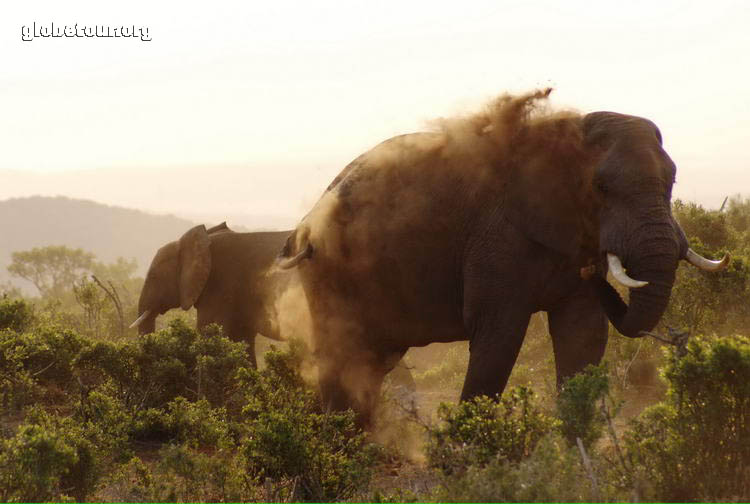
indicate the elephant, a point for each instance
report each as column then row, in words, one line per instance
column 462, row 233
column 225, row 275
column 230, row 279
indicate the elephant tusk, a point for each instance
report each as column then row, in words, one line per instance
column 701, row 262
column 140, row 319
column 615, row 266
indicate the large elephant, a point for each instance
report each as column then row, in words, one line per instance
column 225, row 275
column 463, row 233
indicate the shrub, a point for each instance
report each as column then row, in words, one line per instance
column 104, row 362
column 32, row 464
column 48, row 352
column 17, row 386
column 37, row 364
column 696, row 444
column 480, row 430
column 217, row 359
column 183, row 474
column 180, row 474
column 175, row 362
column 15, row 314
column 704, row 301
column 193, row 424
column 52, row 458
column 131, row 482
column 303, row 451
column 180, row 361
column 576, row 405
column 551, row 473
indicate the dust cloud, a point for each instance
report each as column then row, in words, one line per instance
column 406, row 175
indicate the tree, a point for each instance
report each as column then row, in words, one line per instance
column 52, row 269
column 119, row 276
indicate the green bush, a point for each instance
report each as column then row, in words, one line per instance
column 17, row 386
column 32, row 464
column 703, row 301
column 696, row 445
column 475, row 432
column 37, row 365
column 709, row 227
column 175, row 362
column 15, row 314
column 101, row 412
column 577, row 408
column 181, row 361
column 46, row 352
column 194, row 424
column 184, row 474
column 715, row 302
column 181, row 474
column 52, row 458
column 303, row 451
column 552, row 472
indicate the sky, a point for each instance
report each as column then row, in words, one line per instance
column 251, row 108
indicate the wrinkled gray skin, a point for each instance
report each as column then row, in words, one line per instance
column 222, row 274
column 477, row 259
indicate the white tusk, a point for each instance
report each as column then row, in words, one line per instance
column 140, row 319
column 615, row 266
column 701, row 262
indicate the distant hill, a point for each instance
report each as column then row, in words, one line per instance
column 107, row 231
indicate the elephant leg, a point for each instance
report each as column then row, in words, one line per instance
column 354, row 383
column 240, row 332
column 496, row 314
column 346, row 376
column 332, row 391
column 493, row 350
column 578, row 327
column 251, row 350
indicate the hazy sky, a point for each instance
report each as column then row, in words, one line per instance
column 253, row 107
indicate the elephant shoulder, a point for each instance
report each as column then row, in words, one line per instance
column 397, row 153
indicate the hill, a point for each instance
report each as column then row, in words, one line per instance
column 107, row 231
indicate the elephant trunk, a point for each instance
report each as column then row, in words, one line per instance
column 148, row 325
column 147, row 314
column 648, row 303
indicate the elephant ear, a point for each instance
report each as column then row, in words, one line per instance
column 543, row 200
column 195, row 265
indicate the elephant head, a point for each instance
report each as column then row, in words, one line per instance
column 176, row 277
column 632, row 181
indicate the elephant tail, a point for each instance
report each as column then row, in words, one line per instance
column 287, row 259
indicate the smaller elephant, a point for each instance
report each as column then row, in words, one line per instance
column 225, row 275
